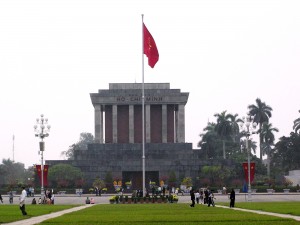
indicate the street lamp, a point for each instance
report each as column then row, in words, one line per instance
column 248, row 127
column 42, row 129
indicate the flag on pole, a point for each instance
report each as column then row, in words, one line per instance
column 45, row 173
column 252, row 171
column 150, row 49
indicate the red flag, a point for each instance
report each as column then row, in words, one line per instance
column 252, row 171
column 38, row 169
column 150, row 49
column 45, row 173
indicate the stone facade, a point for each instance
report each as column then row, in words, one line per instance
column 118, row 135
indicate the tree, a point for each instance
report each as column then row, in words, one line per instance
column 261, row 113
column 224, row 128
column 13, row 173
column 296, row 126
column 287, row 153
column 267, row 132
column 84, row 140
column 64, row 175
column 98, row 183
column 172, row 179
column 187, row 181
column 108, row 180
column 210, row 142
column 235, row 127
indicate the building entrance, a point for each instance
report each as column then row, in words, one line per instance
column 136, row 178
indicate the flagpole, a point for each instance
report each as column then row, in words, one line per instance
column 143, row 109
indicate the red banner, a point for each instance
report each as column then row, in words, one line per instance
column 252, row 171
column 45, row 173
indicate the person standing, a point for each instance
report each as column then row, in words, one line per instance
column 206, row 196
column 197, row 196
column 192, row 194
column 1, row 199
column 22, row 201
column 11, row 197
column 232, row 198
column 201, row 197
column 210, row 200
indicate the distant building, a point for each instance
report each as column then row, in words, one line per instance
column 118, row 135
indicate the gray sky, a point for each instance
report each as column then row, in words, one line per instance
column 53, row 54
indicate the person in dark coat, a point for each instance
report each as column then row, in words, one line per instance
column 192, row 194
column 206, row 196
column 232, row 198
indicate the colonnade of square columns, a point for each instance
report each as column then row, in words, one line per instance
column 178, row 124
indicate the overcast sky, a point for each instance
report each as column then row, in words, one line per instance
column 53, row 54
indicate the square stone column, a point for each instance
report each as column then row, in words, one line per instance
column 164, row 124
column 115, row 123
column 147, row 124
column 131, row 123
column 98, row 124
column 180, row 131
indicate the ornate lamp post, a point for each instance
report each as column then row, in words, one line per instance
column 42, row 129
column 248, row 127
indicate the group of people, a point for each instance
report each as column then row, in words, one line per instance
column 206, row 196
column 201, row 196
column 89, row 201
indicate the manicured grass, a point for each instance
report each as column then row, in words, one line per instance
column 10, row 213
column 125, row 214
column 292, row 208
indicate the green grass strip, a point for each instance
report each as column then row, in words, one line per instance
column 149, row 214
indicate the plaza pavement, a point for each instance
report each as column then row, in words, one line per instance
column 70, row 199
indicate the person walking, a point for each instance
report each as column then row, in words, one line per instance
column 192, row 194
column 232, row 198
column 1, row 199
column 22, row 201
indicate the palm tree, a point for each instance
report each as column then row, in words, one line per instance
column 235, row 127
column 296, row 126
column 261, row 113
column 252, row 146
column 267, row 132
column 224, row 127
column 209, row 141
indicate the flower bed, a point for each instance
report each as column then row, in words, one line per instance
column 125, row 199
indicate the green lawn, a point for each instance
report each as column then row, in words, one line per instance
column 292, row 208
column 10, row 213
column 165, row 214
column 144, row 214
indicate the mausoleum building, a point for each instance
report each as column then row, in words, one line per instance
column 118, row 135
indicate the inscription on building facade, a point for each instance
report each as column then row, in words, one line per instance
column 138, row 98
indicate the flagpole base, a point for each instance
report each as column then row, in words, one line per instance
column 249, row 196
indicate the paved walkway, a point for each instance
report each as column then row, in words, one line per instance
column 297, row 218
column 73, row 199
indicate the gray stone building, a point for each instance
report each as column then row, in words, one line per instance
column 118, row 135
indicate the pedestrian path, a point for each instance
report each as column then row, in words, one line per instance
column 39, row 219
column 297, row 218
